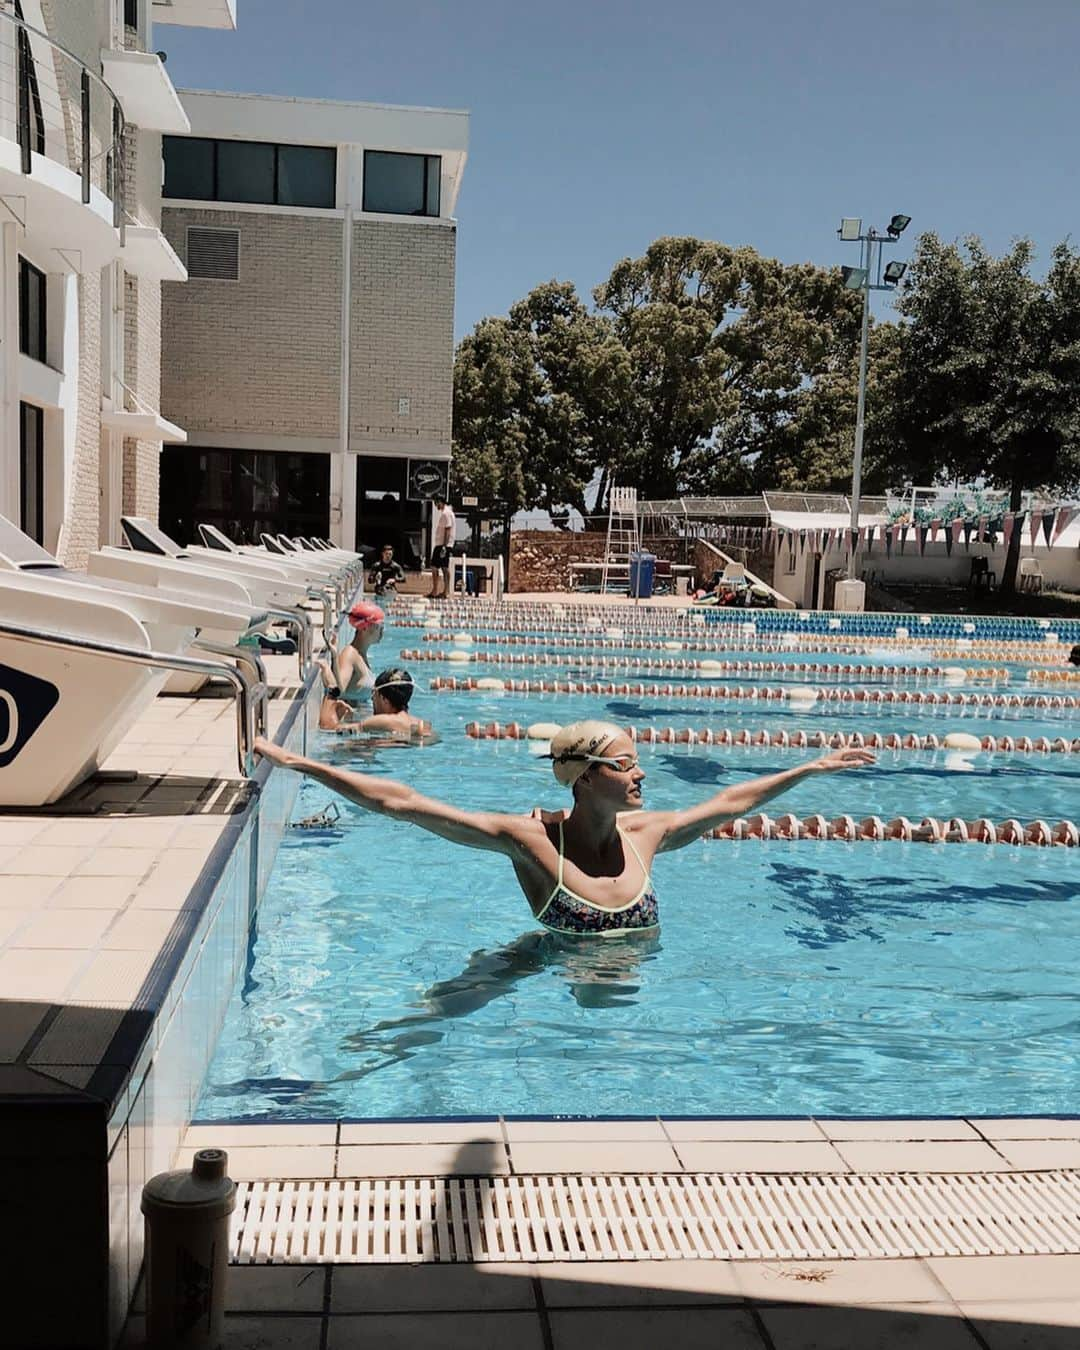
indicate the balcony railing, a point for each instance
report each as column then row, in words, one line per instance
column 53, row 105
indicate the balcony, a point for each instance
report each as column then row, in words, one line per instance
column 61, row 148
column 148, row 254
column 146, row 93
column 195, row 13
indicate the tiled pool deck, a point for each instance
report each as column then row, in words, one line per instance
column 122, row 914
column 988, row 1303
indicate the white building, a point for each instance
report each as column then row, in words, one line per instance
column 83, row 105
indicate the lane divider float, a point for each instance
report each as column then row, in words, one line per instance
column 929, row 830
column 798, row 695
column 801, row 739
column 790, row 669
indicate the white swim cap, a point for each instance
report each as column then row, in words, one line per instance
column 575, row 741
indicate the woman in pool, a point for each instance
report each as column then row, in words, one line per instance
column 390, row 697
column 347, row 674
column 589, row 871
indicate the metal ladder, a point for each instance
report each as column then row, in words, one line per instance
column 622, row 532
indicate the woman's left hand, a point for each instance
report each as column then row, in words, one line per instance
column 841, row 759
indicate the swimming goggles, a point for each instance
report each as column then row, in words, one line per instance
column 622, row 763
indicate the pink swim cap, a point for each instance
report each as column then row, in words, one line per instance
column 362, row 615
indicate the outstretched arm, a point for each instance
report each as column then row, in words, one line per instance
column 683, row 827
column 477, row 829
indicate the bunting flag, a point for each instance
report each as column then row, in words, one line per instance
column 922, row 531
column 935, row 525
column 802, row 540
column 968, row 528
column 1065, row 517
column 1034, row 525
column 903, row 537
column 950, row 539
column 955, row 526
column 1007, row 526
column 890, row 535
column 1048, row 518
column 982, row 529
column 853, row 539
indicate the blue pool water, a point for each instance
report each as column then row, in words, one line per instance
column 392, row 974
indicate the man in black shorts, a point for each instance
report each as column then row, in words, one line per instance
column 443, row 528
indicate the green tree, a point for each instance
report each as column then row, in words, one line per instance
column 726, row 349
column 986, row 385
column 538, row 401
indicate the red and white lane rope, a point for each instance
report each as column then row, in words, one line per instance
column 638, row 689
column 929, row 830
column 801, row 739
column 789, row 669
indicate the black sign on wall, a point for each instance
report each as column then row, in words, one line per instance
column 25, row 702
column 427, row 478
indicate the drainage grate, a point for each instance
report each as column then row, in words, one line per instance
column 659, row 1217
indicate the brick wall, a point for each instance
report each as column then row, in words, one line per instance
column 142, row 375
column 80, row 535
column 402, row 335
column 540, row 559
column 261, row 355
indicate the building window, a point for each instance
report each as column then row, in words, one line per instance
column 32, row 471
column 401, row 185
column 243, row 492
column 131, row 13
column 204, row 170
column 245, row 171
column 32, row 287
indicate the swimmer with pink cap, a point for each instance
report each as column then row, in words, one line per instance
column 348, row 674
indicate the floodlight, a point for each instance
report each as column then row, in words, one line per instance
column 850, row 228
column 897, row 226
column 894, row 271
column 854, row 277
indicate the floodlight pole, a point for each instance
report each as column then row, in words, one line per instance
column 860, row 407
column 871, row 265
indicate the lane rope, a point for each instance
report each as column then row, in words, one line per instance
column 638, row 689
column 803, row 739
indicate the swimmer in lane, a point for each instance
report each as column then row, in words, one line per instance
column 390, row 697
column 588, row 872
column 348, row 672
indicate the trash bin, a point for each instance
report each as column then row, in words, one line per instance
column 642, row 573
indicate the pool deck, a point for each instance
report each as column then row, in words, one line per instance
column 989, row 1303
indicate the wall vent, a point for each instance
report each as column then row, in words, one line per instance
column 213, row 254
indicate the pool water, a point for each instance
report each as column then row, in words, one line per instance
column 393, row 974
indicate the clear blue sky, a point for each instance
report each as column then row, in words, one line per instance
column 599, row 125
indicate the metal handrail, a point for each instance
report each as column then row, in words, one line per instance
column 305, row 646
column 28, row 90
column 245, row 657
column 116, row 651
column 322, row 594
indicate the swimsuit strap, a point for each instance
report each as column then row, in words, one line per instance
column 562, row 849
column 630, row 844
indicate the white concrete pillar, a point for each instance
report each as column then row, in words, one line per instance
column 9, row 371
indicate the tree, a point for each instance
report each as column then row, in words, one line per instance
column 538, row 401
column 726, row 348
column 986, row 385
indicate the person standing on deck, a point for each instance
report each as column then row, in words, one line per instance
column 444, row 527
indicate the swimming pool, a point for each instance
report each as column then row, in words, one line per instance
column 393, row 975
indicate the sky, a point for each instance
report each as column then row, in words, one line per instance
column 600, row 125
